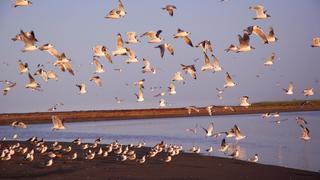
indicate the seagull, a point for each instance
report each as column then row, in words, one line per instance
column 101, row 51
column 315, row 42
column 120, row 9
column 132, row 56
column 98, row 65
column 216, row 64
column 22, row 3
column 154, row 37
column 244, row 101
column 260, row 12
column 232, row 48
column 237, row 133
column 162, row 103
column 289, row 91
column 169, row 8
column 269, row 60
column 305, row 133
column 49, row 163
column 254, row 159
column 271, row 37
column 96, row 80
column 210, row 149
column 193, row 130
column 301, row 121
column 190, row 69
column 52, row 75
column 18, row 124
column 259, row 32
column 210, row 110
column 178, row 77
column 50, row 49
column 209, row 131
column 224, row 146
column 140, row 97
column 139, row 83
column 205, row 46
column 32, row 84
column 29, row 40
column 120, row 49
column 132, row 38
column 228, row 81
column 58, row 124
column 23, row 67
column 77, row 141
column 220, row 91
column 147, row 66
column 308, row 92
column 63, row 63
column 90, row 155
column 194, row 108
column 184, row 35
column 42, row 73
column 172, row 89
column 165, row 46
column 117, row 13
column 82, row 87
column 113, row 14
column 168, row 159
column 54, row 107
column 244, row 42
column 207, row 65
column 142, row 160
column 8, row 86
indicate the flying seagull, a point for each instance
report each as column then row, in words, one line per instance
column 82, row 88
column 289, row 91
column 169, row 8
column 308, row 92
column 58, row 123
column 29, row 40
column 244, row 44
column 228, row 81
column 244, row 101
column 120, row 49
column 154, row 37
column 205, row 46
column 98, row 66
column 271, row 36
column 23, row 67
column 305, row 133
column 207, row 65
column 117, row 13
column 96, row 80
column 147, row 66
column 8, row 86
column 184, row 35
column 190, row 69
column 172, row 89
column 164, row 47
column 50, row 49
column 315, row 42
column 216, row 64
column 132, row 56
column 32, row 84
column 178, row 77
column 259, row 32
column 63, row 63
column 101, row 51
column 132, row 38
column 140, row 96
column 269, row 60
column 260, row 12
column 22, row 3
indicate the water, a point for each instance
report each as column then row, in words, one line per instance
column 276, row 144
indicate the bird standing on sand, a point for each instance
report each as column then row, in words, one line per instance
column 254, row 159
column 169, row 8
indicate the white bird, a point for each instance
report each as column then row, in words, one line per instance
column 29, row 40
column 244, row 101
column 132, row 38
column 164, row 47
column 140, row 96
column 207, row 65
column 194, row 108
column 237, row 133
column 58, row 124
column 269, row 60
column 259, row 32
column 154, row 37
column 210, row 110
column 205, row 46
column 120, row 9
column 254, row 159
column 232, row 48
column 289, row 91
column 169, row 8
column 168, row 159
column 315, row 42
column 50, row 49
column 142, row 160
column 132, row 56
column 32, row 84
column 96, row 80
column 216, row 64
column 8, row 86
column 172, row 89
column 63, row 63
column 271, row 36
column 147, row 66
column 74, row 156
column 90, row 155
column 139, row 83
column 23, row 67
column 162, row 103
column 209, row 131
column 191, row 69
column 244, row 42
column 178, row 77
column 49, row 163
column 98, row 66
column 82, row 88
column 101, row 51
column 210, row 149
column 42, row 73
column 18, row 124
column 117, row 13
column 120, row 48
column 301, row 121
column 260, row 12
column 305, row 133
column 228, row 81
column 184, row 35
column 308, row 92
column 22, row 3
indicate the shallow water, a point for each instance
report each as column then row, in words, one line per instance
column 277, row 144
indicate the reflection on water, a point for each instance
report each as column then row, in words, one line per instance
column 277, row 144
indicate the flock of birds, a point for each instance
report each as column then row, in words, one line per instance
column 154, row 37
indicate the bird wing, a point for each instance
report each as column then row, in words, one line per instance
column 97, row 64
column 244, row 40
column 259, row 32
column 206, row 59
column 187, row 40
column 31, row 79
column 120, row 6
column 161, row 47
column 228, row 78
column 170, row 49
column 119, row 41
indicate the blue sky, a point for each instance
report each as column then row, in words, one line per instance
column 76, row 27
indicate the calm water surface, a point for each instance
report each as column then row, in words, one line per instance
column 277, row 144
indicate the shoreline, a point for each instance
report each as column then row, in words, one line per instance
column 104, row 115
column 182, row 166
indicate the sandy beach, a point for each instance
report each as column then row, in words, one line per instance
column 183, row 166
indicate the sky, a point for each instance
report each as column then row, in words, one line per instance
column 75, row 27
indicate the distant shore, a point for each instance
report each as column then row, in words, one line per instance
column 98, row 115
column 182, row 166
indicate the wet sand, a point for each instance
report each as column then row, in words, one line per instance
column 183, row 166
column 98, row 115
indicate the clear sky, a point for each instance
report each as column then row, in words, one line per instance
column 75, row 27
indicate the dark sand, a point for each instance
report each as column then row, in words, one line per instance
column 183, row 166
